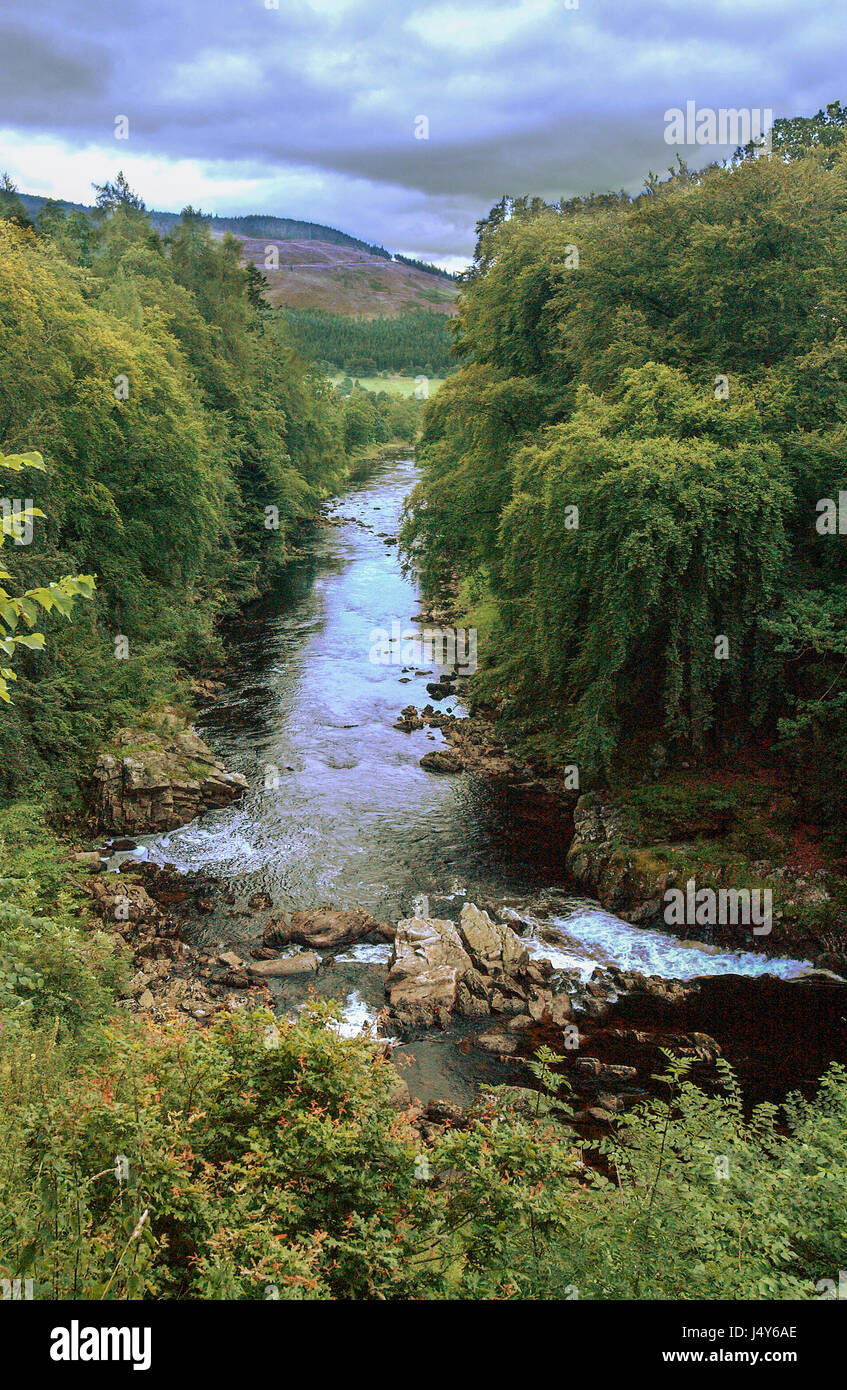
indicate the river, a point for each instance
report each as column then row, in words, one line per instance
column 338, row 809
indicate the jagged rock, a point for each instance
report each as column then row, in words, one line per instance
column 428, row 962
column 547, row 1006
column 158, row 779
column 442, row 760
column 478, row 968
column 493, row 947
column 440, row 689
column 325, row 928
column 116, row 900
column 470, row 1002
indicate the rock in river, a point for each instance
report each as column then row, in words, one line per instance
column 442, row 760
column 304, row 963
column 479, row 968
column 325, row 928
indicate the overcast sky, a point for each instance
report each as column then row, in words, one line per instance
column 309, row 109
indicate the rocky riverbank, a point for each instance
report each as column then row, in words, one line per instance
column 614, row 857
column 158, row 776
column 628, row 848
column 474, row 978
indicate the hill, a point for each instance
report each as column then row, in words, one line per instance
column 319, row 267
column 345, row 279
column 252, row 224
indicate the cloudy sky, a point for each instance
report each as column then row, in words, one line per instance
column 309, row 108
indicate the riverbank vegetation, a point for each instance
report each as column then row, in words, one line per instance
column 187, row 443
column 640, row 466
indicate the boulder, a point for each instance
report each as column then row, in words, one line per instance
column 428, row 962
column 442, row 760
column 304, row 963
column 117, row 900
column 324, row 928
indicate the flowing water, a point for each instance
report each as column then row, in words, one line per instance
column 339, row 810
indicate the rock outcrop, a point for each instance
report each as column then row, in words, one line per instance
column 428, row 963
column 156, row 779
column 477, row 968
column 613, row 860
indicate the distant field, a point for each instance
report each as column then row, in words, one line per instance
column 399, row 385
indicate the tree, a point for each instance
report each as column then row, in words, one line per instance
column 11, row 207
column 112, row 195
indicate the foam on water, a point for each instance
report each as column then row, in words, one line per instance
column 364, row 954
column 357, row 1017
column 592, row 937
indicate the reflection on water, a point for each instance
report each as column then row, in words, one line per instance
column 338, row 809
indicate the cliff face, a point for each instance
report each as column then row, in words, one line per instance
column 154, row 779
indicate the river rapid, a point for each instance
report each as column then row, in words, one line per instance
column 339, row 811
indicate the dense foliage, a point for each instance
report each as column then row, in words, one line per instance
column 186, row 443
column 632, row 466
column 411, row 343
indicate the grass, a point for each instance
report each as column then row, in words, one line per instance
column 397, row 385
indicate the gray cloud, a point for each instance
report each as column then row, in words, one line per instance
column 318, row 100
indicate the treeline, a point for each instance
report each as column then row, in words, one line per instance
column 185, row 439
column 424, row 265
column 251, row 225
column 417, row 342
column 634, row 464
